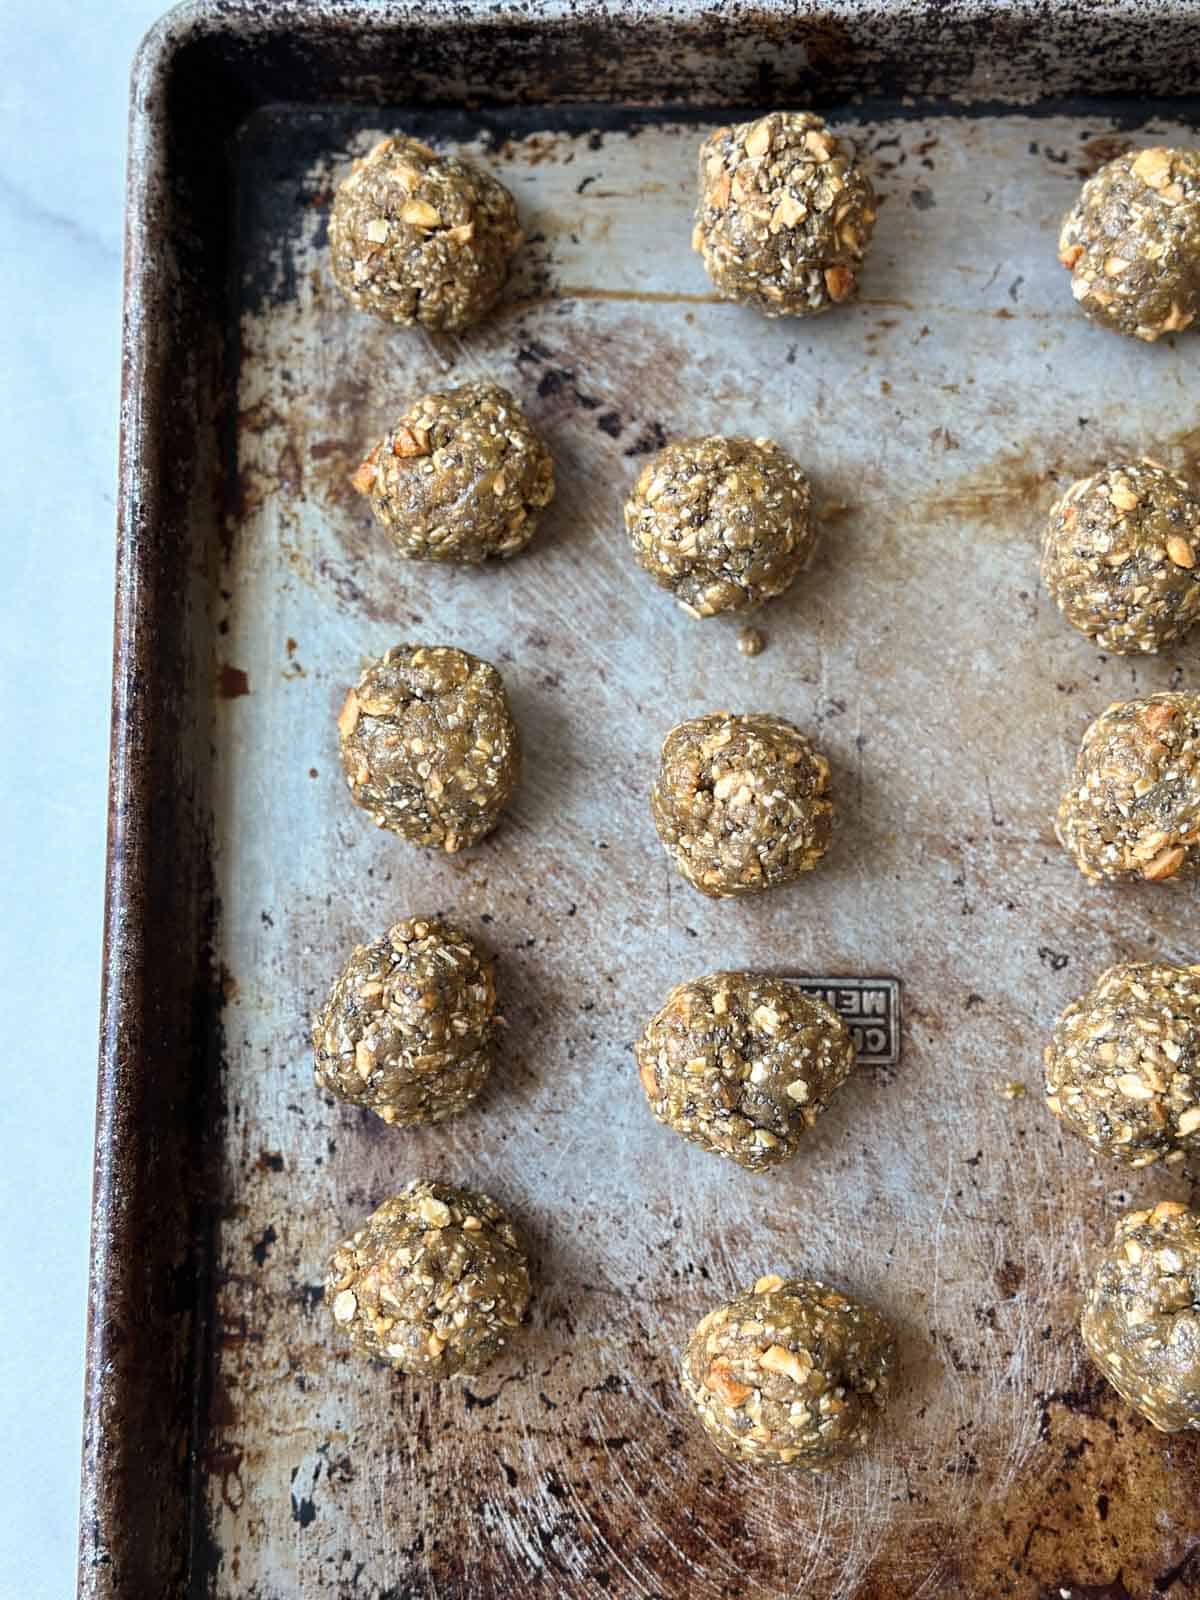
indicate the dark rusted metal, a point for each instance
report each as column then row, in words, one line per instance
column 226, row 1454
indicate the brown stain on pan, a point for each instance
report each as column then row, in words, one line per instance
column 1105, row 1506
column 1106, row 1501
column 232, row 682
column 1013, row 491
column 1097, row 151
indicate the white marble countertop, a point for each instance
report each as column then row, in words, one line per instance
column 63, row 108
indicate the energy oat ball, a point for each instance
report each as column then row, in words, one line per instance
column 1133, row 808
column 408, row 1026
column 1141, row 1316
column 429, row 745
column 419, row 237
column 743, row 1064
column 790, row 1374
column 724, row 524
column 1132, row 242
column 461, row 477
column 1123, row 1063
column 1119, row 557
column 785, row 214
column 434, row 1282
column 741, row 802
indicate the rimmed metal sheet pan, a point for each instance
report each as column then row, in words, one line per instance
column 232, row 1449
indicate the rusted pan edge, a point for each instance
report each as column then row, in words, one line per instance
column 133, row 1521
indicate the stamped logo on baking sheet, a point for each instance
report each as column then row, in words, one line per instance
column 870, row 1008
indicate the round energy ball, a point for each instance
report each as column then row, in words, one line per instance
column 743, row 1064
column 461, row 477
column 1123, row 1063
column 791, row 1373
column 1132, row 243
column 785, row 214
column 741, row 802
column 429, row 745
column 1119, row 557
column 1133, row 808
column 434, row 1282
column 1141, row 1316
column 418, row 237
column 408, row 1026
column 724, row 524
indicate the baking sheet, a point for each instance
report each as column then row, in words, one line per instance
column 936, row 417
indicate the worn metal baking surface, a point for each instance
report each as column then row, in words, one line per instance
column 936, row 418
column 233, row 1448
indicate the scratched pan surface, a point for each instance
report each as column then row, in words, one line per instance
column 937, row 417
